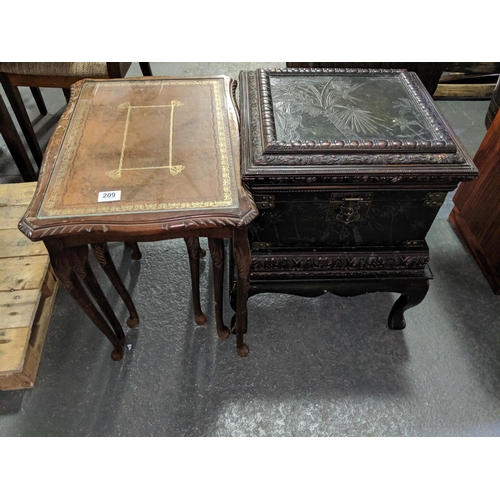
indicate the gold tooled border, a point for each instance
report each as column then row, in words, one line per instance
column 73, row 138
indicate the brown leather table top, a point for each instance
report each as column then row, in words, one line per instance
column 165, row 145
column 142, row 149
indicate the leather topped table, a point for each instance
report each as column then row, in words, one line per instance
column 136, row 160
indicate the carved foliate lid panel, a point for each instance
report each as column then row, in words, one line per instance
column 159, row 145
column 350, row 111
column 343, row 117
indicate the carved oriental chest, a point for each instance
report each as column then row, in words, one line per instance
column 348, row 168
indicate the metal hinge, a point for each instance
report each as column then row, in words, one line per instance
column 264, row 201
column 259, row 245
column 434, row 199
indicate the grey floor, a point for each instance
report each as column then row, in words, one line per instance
column 327, row 366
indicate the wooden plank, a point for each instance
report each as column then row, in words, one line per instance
column 23, row 273
column 13, row 346
column 41, row 325
column 25, row 378
column 464, row 91
column 18, row 308
column 11, row 215
column 16, row 342
column 15, row 381
column 50, row 284
column 27, row 292
column 14, row 244
column 17, row 193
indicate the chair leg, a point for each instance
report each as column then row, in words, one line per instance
column 15, row 145
column 37, row 95
column 146, row 68
column 19, row 109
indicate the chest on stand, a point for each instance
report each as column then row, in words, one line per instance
column 348, row 169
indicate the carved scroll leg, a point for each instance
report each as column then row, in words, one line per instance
column 136, row 253
column 61, row 262
column 241, row 251
column 83, row 270
column 406, row 301
column 193, row 247
column 216, row 246
column 104, row 258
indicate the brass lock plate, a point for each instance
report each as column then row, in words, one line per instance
column 349, row 207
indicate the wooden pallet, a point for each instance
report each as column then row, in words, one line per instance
column 467, row 80
column 482, row 91
column 27, row 292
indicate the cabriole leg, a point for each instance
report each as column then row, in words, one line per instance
column 193, row 247
column 407, row 300
column 241, row 251
column 80, row 256
column 102, row 255
column 62, row 262
column 136, row 253
column 216, row 246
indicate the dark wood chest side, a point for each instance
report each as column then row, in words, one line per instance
column 297, row 219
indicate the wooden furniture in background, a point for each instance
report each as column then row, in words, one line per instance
column 476, row 214
column 467, row 80
column 443, row 80
column 27, row 292
column 143, row 159
column 52, row 75
column 494, row 105
column 15, row 145
column 428, row 72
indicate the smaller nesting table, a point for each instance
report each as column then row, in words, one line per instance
column 138, row 160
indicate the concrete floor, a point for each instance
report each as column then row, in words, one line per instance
column 327, row 366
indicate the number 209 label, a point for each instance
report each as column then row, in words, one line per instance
column 109, row 196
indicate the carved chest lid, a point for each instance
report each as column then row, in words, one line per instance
column 342, row 120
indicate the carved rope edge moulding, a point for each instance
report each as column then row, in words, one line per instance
column 66, row 229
